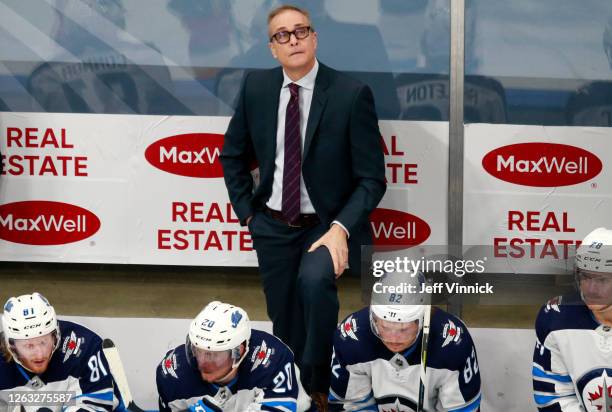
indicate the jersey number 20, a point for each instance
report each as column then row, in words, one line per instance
column 279, row 380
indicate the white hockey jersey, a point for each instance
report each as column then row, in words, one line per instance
column 572, row 360
column 366, row 376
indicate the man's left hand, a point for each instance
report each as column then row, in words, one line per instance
column 335, row 241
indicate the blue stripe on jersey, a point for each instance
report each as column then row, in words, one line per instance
column 105, row 396
column 291, row 405
column 23, row 373
column 544, row 399
column 537, row 372
column 199, row 406
column 229, row 385
column 469, row 408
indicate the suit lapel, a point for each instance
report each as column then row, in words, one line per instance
column 319, row 99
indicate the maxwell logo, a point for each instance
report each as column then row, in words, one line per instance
column 42, row 222
column 542, row 164
column 397, row 230
column 192, row 154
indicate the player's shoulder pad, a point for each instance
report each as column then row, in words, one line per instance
column 448, row 333
column 76, row 342
column 562, row 312
column 173, row 365
column 8, row 372
column 354, row 341
column 267, row 353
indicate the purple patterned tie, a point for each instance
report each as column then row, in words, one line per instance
column 293, row 157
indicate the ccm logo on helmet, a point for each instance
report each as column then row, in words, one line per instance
column 394, row 229
column 542, row 164
column 42, row 222
column 191, row 155
column 32, row 326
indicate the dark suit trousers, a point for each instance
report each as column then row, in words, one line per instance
column 301, row 293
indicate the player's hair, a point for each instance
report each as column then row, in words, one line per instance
column 4, row 350
column 278, row 10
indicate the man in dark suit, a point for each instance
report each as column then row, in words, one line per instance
column 314, row 133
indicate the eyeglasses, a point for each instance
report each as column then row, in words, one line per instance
column 284, row 36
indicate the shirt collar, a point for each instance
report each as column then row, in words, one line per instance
column 306, row 82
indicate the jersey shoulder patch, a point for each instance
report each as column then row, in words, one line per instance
column 452, row 333
column 448, row 332
column 354, row 340
column 266, row 351
column 356, row 327
column 348, row 328
column 553, row 304
column 76, row 342
column 169, row 364
column 561, row 313
column 261, row 355
column 71, row 346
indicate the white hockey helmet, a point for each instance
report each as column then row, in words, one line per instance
column 595, row 252
column 593, row 272
column 391, row 303
column 26, row 317
column 219, row 327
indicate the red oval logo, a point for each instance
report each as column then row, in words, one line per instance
column 397, row 230
column 542, row 164
column 191, row 155
column 42, row 222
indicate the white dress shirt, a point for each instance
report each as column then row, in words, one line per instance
column 306, row 89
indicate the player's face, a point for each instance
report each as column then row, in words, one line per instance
column 397, row 336
column 297, row 55
column 35, row 353
column 596, row 289
column 213, row 365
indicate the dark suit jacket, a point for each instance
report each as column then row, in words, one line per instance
column 343, row 163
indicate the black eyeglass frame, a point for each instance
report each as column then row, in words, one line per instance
column 294, row 32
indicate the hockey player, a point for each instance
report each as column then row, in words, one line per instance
column 226, row 366
column 572, row 360
column 376, row 364
column 59, row 361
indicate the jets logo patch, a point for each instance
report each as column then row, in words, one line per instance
column 349, row 328
column 261, row 355
column 451, row 333
column 71, row 346
column 169, row 365
column 596, row 390
column 396, row 403
column 553, row 304
column 236, row 317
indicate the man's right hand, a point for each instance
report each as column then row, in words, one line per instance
column 248, row 219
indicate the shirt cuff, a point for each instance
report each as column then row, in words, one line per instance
column 343, row 228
